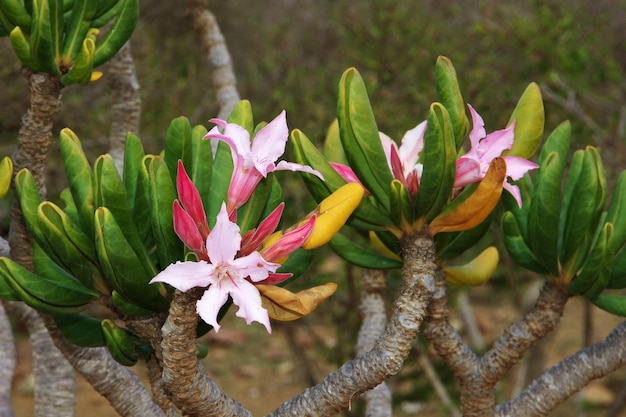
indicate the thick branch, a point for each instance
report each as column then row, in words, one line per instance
column 214, row 46
column 55, row 381
column 190, row 387
column 7, row 363
column 386, row 358
column 569, row 376
column 378, row 400
column 118, row 384
column 126, row 107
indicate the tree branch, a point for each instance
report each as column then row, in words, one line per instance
column 569, row 376
column 386, row 358
column 190, row 387
column 126, row 107
column 214, row 46
column 7, row 363
column 378, row 400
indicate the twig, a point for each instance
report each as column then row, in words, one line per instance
column 570, row 376
column 467, row 315
column 368, row 370
column 435, row 381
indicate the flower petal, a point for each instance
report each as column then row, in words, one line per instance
column 186, row 275
column 186, row 228
column 224, row 240
column 467, row 171
column 253, row 266
column 190, row 197
column 209, row 305
column 248, row 298
column 411, row 146
column 478, row 127
column 269, row 143
column 516, row 166
column 292, row 166
column 496, row 142
column 289, row 242
column 265, row 228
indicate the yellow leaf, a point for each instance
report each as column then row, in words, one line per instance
column 473, row 210
column 283, row 305
column 6, row 171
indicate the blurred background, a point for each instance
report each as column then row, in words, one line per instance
column 291, row 53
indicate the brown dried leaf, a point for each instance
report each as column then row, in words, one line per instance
column 283, row 305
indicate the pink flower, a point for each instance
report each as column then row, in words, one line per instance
column 473, row 166
column 225, row 275
column 403, row 160
column 253, row 160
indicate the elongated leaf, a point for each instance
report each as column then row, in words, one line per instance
column 241, row 115
column 81, row 330
column 126, row 274
column 178, row 145
column 221, row 174
column 119, row 32
column 543, row 217
column 359, row 255
column 202, row 160
column 439, row 159
column 529, row 121
column 360, row 137
column 449, row 95
column 79, row 177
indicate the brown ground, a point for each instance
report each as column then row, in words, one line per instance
column 259, row 370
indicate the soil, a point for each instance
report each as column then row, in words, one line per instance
column 260, row 371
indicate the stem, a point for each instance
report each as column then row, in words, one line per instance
column 190, row 387
column 369, row 369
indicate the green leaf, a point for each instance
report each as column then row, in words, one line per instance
column 202, row 162
column 517, row 247
column 169, row 248
column 133, row 160
column 358, row 255
column 360, row 137
column 439, row 159
column 543, row 215
column 614, row 304
column 249, row 215
column 221, row 173
column 529, row 121
column 79, row 176
column 617, row 212
column 119, row 261
column 241, row 115
column 453, row 244
column 401, row 212
column 333, row 150
column 76, row 28
column 449, row 95
column 178, row 145
column 41, row 41
column 81, row 330
column 119, row 32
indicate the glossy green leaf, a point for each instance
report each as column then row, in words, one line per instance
column 61, row 295
column 76, row 27
column 30, row 199
column 41, row 40
column 358, row 255
column 118, row 33
column 333, row 150
column 21, row 46
column 449, row 95
column 128, row 308
column 617, row 212
column 241, row 115
column 16, row 14
column 7, row 292
column 617, row 279
column 81, row 330
column 439, row 160
column 249, row 215
column 71, row 245
column 111, row 193
column 142, row 208
column 178, row 146
column 79, row 177
column 169, row 247
column 360, row 138
column 133, row 160
column 202, row 162
column 221, row 173
column 517, row 247
column 529, row 122
column 585, row 202
column 543, row 216
column 401, row 210
column 614, row 304
column 453, row 244
column 120, row 264
column 599, row 262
